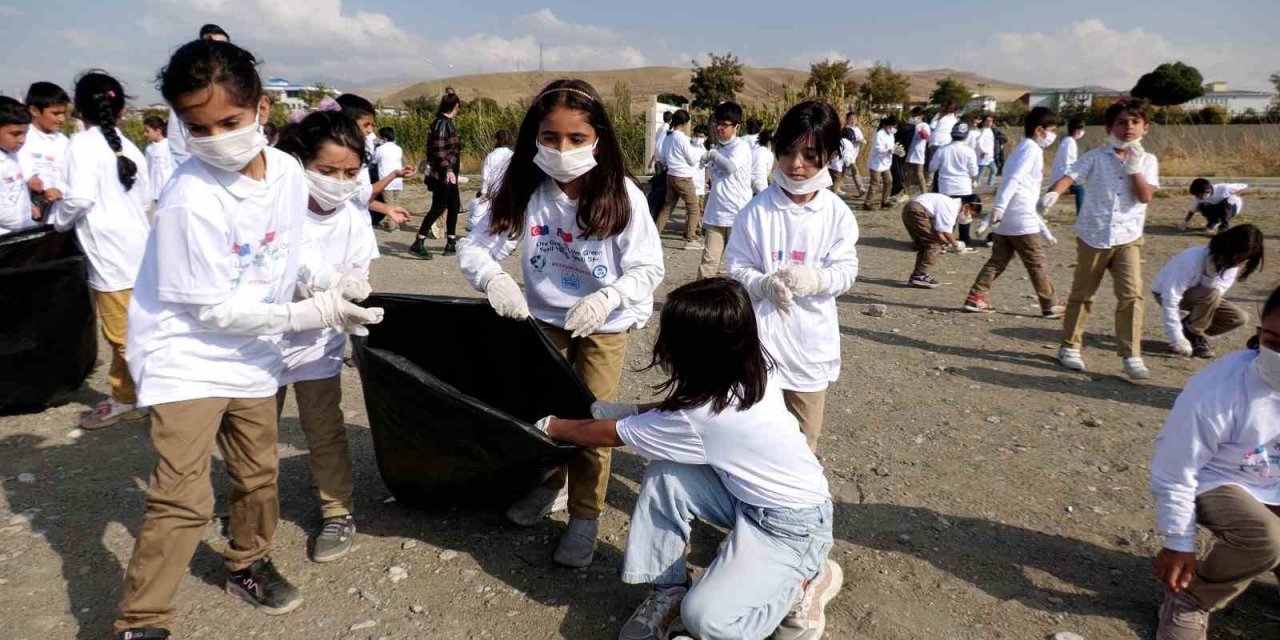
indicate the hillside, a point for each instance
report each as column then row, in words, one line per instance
column 762, row 85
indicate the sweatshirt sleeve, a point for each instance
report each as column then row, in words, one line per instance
column 1185, row 274
column 935, row 161
column 743, row 259
column 842, row 268
column 1017, row 172
column 722, row 161
column 481, row 253
column 640, row 255
column 1188, row 439
column 81, row 192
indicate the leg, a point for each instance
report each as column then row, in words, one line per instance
column 1228, row 317
column 809, row 408
column 916, row 219
column 873, row 182
column 1126, row 277
column 692, row 210
column 963, row 233
column 391, row 197
column 857, row 182
column 1001, row 253
column 320, row 412
column 1091, row 264
column 669, row 203
column 671, row 496
column 113, row 317
column 179, row 505
column 717, row 238
column 1031, row 251
column 438, row 206
column 837, row 179
column 889, row 184
column 1203, row 304
column 247, row 439
column 454, row 205
column 1246, row 545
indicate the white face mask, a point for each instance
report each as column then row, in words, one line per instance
column 1117, row 143
column 1079, row 134
column 700, row 141
column 1268, row 366
column 566, row 166
column 820, row 180
column 328, row 192
column 893, row 131
column 232, row 150
column 1047, row 139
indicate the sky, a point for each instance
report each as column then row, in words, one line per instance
column 379, row 43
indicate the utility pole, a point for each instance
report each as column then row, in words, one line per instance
column 540, row 69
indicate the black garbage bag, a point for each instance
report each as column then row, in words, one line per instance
column 48, row 339
column 452, row 391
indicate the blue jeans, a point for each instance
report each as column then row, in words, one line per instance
column 761, row 569
column 990, row 166
column 1078, row 192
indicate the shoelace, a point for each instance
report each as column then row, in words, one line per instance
column 337, row 528
column 656, row 607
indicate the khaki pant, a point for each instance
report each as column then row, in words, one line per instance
column 1028, row 248
column 320, row 412
column 681, row 189
column 391, row 197
column 1208, row 314
column 598, row 360
column 915, row 176
column 809, row 407
column 1246, row 545
column 837, row 179
column 713, row 250
column 853, row 176
column 113, row 318
column 882, row 180
column 1124, row 263
column 180, row 497
column 923, row 237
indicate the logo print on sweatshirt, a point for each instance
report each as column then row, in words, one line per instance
column 239, row 249
column 538, row 262
column 567, row 238
column 777, row 255
column 539, row 230
column 797, row 255
column 600, row 272
column 570, row 281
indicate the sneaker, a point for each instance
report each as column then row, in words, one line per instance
column 334, row 541
column 966, row 249
column 420, row 250
column 1136, row 369
column 109, row 412
column 578, row 544
column 539, row 503
column 1200, row 347
column 693, row 245
column 807, row 620
column 143, row 634
column 1053, row 313
column 1070, row 358
column 1181, row 618
column 450, row 246
column 654, row 618
column 922, row 281
column 976, row 304
column 263, row 587
column 885, row 206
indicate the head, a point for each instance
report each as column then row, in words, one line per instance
column 1040, row 122
column 680, row 120
column 47, row 103
column 666, row 117
column 154, row 127
column 1240, row 246
column 971, row 204
column 726, row 121
column 1126, row 119
column 754, row 125
column 709, row 346
column 567, row 116
column 959, row 132
column 889, row 123
column 359, row 110
column 387, row 134
column 806, row 138
column 988, row 121
column 1268, row 324
column 917, row 114
column 448, row 105
column 502, row 138
column 214, row 88
column 1201, row 188
column 949, row 108
column 765, row 139
column 329, row 145
column 100, row 101
column 1075, row 128
column 701, row 132
column 14, row 122
column 214, row 32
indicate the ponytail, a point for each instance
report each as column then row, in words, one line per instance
column 99, row 101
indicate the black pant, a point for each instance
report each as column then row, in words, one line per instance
column 1216, row 214
column 443, row 196
column 899, row 181
column 964, row 234
column 657, row 192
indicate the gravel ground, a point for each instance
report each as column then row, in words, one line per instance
column 981, row 490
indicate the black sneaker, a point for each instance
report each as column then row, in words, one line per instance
column 143, row 634
column 263, row 587
column 334, row 541
column 922, row 281
column 1200, row 347
column 420, row 250
column 450, row 246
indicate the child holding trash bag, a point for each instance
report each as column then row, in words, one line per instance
column 590, row 258
column 724, row 449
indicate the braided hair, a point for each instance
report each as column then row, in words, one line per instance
column 99, row 101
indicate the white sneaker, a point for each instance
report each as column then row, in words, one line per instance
column 1136, row 369
column 109, row 412
column 1070, row 358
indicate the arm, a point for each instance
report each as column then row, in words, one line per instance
column 480, row 254
column 722, row 161
column 587, row 433
column 66, row 212
column 382, row 183
column 743, row 258
column 1017, row 171
column 935, row 161
column 1171, row 299
column 1143, row 191
column 640, row 257
column 1144, row 173
column 839, row 276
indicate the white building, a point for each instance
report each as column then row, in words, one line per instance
column 1233, row 102
column 984, row 104
column 291, row 95
column 1071, row 98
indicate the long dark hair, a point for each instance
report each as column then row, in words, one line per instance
column 305, row 139
column 710, row 348
column 1243, row 241
column 200, row 64
column 99, row 101
column 813, row 122
column 605, row 207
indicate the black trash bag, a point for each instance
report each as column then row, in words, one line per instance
column 452, row 391
column 48, row 341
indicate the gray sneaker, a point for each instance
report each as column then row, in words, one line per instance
column 653, row 619
column 539, row 503
column 1181, row 618
column 334, row 541
column 807, row 620
column 578, row 544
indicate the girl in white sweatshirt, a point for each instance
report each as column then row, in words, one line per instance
column 590, row 259
column 491, row 173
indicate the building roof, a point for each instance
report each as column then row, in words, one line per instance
column 1238, row 93
column 1090, row 88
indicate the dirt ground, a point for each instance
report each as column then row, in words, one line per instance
column 981, row 490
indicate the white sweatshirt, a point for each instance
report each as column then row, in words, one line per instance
column 942, row 126
column 493, row 170
column 561, row 268
column 1020, row 190
column 761, row 167
column 682, row 156
column 957, row 167
column 1228, row 191
column 881, row 156
column 1064, row 159
column 1224, row 429
column 772, row 233
column 44, row 155
column 731, row 168
column 15, row 197
column 159, row 165
column 1190, row 268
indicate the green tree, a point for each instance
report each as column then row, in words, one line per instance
column 673, row 99
column 1171, row 83
column 1212, row 114
column 421, row 106
column 829, row 81
column 313, row 95
column 950, row 91
column 719, row 80
column 884, row 88
column 1011, row 114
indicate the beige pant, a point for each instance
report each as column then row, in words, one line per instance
column 1028, row 248
column 180, row 497
column 598, row 360
column 809, row 407
column 1246, row 545
column 837, row 179
column 914, row 175
column 113, row 318
column 882, row 180
column 1208, row 314
column 320, row 412
column 923, row 237
column 392, row 197
column 1124, row 263
column 713, row 250
column 681, row 189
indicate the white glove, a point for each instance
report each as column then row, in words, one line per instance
column 989, row 223
column 354, row 287
column 327, row 309
column 899, row 151
column 587, row 315
column 804, row 280
column 601, row 410
column 505, row 297
column 958, row 247
column 1181, row 347
column 543, row 424
column 1048, row 237
column 777, row 290
column 1133, row 161
column 1046, row 202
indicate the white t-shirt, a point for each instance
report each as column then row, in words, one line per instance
column 218, row 236
column 986, row 145
column 700, row 171
column 752, row 139
column 344, row 238
column 761, row 167
column 389, row 157
column 15, row 197
column 1020, row 190
column 759, row 454
column 919, row 141
column 1224, row 429
column 1190, row 268
column 731, row 167
column 943, row 210
column 44, row 155
column 113, row 232
column 1064, row 159
column 1221, row 192
column 957, row 167
column 1110, row 215
column 772, row 233
column 681, row 156
column 659, row 134
column 942, row 126
column 176, row 134
column 844, row 157
column 881, row 156
column 560, row 268
column 493, row 170
column 159, row 165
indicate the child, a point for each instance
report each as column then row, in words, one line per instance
column 1109, row 232
column 331, row 149
column 208, row 309
column 880, row 160
column 752, row 136
column 444, row 155
column 659, row 134
column 942, row 125
column 723, row 449
column 177, row 132
column 159, row 157
column 44, row 155
column 853, row 129
column 491, row 174
column 682, row 159
column 1215, row 463
column 1068, row 153
column 1015, row 225
column 106, row 203
column 986, row 148
column 929, row 219
column 1219, row 203
column 699, row 140
column 390, row 216
column 762, row 162
column 793, row 248
column 1197, row 280
column 16, row 211
column 388, row 157
column 591, row 260
column 841, row 160
column 731, row 165
column 956, row 166
column 916, row 152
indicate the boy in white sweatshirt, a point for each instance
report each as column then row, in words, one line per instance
column 1218, row 202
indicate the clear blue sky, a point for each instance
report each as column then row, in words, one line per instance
column 361, row 43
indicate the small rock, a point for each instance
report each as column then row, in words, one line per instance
column 1055, row 601
column 389, row 500
column 1071, row 509
column 904, row 539
column 408, row 544
column 1092, row 422
column 367, row 624
column 26, row 478
column 365, row 595
column 19, row 519
column 448, row 554
column 876, row 310
column 1066, row 635
column 397, row 573
column 75, row 434
column 418, row 609
column 993, row 419
column 1123, row 542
